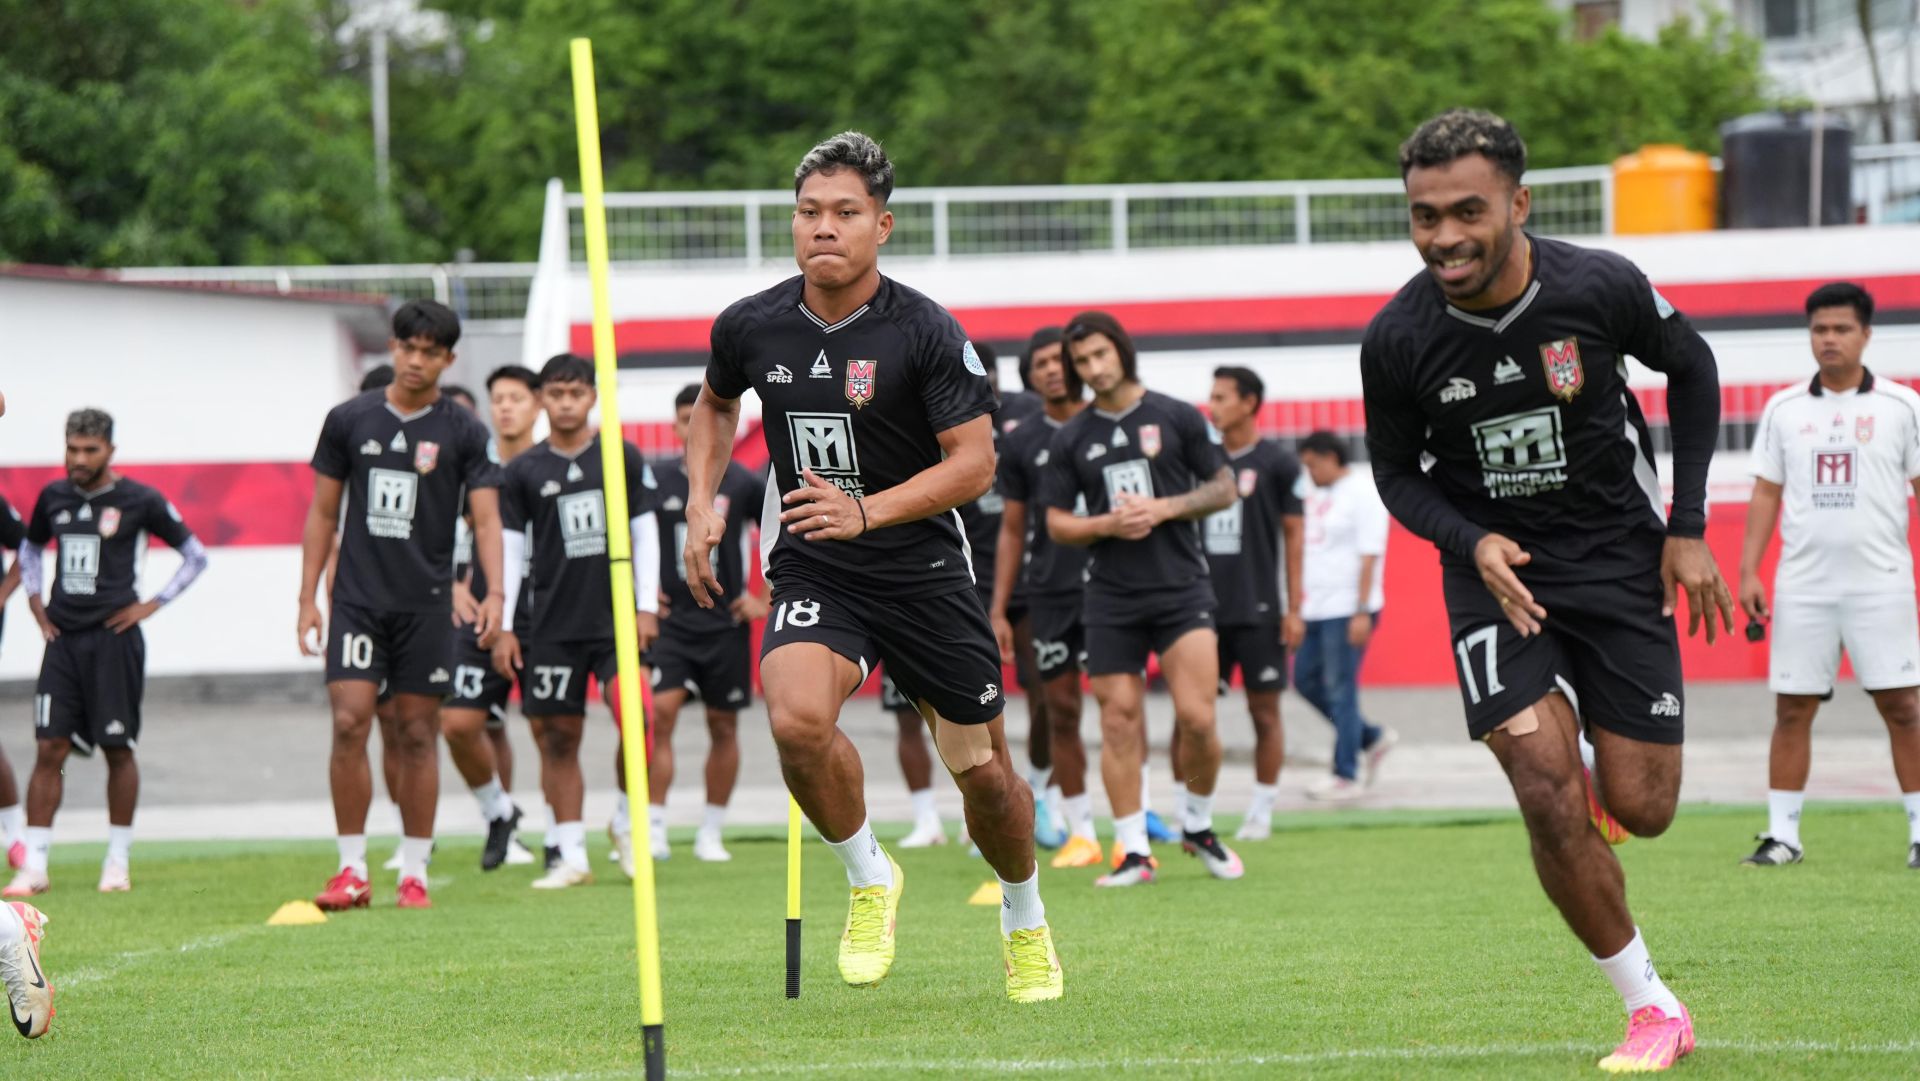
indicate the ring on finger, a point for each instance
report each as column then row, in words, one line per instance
column 1506, row 603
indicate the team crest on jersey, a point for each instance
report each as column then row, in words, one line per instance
column 1565, row 376
column 721, row 504
column 109, row 521
column 426, row 455
column 1248, row 478
column 860, row 381
column 1863, row 429
column 1150, row 439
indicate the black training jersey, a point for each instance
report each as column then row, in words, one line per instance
column 12, row 530
column 1050, row 573
column 404, row 475
column 1244, row 541
column 860, row 402
column 102, row 537
column 1159, row 446
column 981, row 518
column 742, row 493
column 560, row 501
column 1527, row 417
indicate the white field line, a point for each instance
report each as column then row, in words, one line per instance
column 80, row 977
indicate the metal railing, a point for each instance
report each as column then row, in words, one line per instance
column 478, row 291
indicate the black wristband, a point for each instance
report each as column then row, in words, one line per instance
column 862, row 504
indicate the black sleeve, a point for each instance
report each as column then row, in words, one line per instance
column 643, row 489
column 1396, row 436
column 1656, row 334
column 331, row 456
column 953, row 382
column 1200, row 446
column 12, row 529
column 1286, row 475
column 478, row 469
column 726, row 369
column 1059, row 485
column 163, row 521
column 1010, row 475
column 514, row 510
column 40, row 526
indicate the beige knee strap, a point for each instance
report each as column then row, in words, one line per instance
column 962, row 746
column 1526, row 722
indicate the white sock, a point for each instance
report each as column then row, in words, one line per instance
column 1912, row 802
column 1054, row 809
column 1146, row 786
column 620, row 823
column 1079, row 812
column 551, row 837
column 713, row 818
column 1038, row 779
column 571, row 837
column 39, row 843
column 13, row 825
column 119, row 844
column 924, row 811
column 1631, row 971
column 414, row 854
column 866, row 861
column 1264, row 795
column 1196, row 812
column 1783, row 815
column 1131, row 832
column 353, row 853
column 1020, row 907
column 494, row 802
column 657, row 822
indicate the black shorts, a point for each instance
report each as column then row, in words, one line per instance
column 891, row 699
column 1059, row 642
column 939, row 650
column 553, row 675
column 402, row 652
column 718, row 667
column 90, row 687
column 1258, row 653
column 475, row 683
column 1115, row 649
column 1605, row 640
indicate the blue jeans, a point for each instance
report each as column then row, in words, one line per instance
column 1327, row 673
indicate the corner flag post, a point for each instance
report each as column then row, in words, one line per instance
column 793, row 897
column 620, row 559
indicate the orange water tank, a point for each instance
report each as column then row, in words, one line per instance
column 1664, row 189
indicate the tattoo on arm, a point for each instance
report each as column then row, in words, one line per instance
column 1215, row 495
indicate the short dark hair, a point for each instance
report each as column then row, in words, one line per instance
column 380, row 375
column 1086, row 324
column 455, row 390
column 427, row 319
column 519, row 373
column 1247, row 381
column 90, row 424
column 849, row 150
column 567, row 368
column 1325, row 442
column 1457, row 133
column 1037, row 341
column 688, row 395
column 1842, row 294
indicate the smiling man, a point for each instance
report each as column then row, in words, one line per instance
column 878, row 419
column 1505, row 362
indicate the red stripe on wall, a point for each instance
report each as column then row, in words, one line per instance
column 226, row 504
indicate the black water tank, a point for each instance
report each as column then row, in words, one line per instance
column 1766, row 176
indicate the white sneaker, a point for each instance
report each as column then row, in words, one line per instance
column 519, row 855
column 658, row 840
column 1254, row 828
column 1371, row 758
column 28, row 992
column 393, row 862
column 26, row 882
column 708, row 849
column 115, row 878
column 563, row 877
column 925, row 835
column 1335, row 789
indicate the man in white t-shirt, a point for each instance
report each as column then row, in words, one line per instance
column 1341, row 597
column 1841, row 454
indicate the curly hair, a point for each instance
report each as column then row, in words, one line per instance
column 1457, row 133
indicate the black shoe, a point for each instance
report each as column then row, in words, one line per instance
column 1773, row 853
column 1913, row 856
column 552, row 857
column 499, row 836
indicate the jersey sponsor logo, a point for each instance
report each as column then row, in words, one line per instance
column 426, row 456
column 1458, row 389
column 993, row 504
column 109, row 521
column 992, row 692
column 680, row 552
column 860, row 382
column 1049, row 655
column 1119, row 438
column 438, row 675
column 823, row 442
column 391, row 496
column 583, row 524
column 1268, row 674
column 399, row 444
column 971, row 359
column 1565, row 376
column 1507, row 371
column 1249, row 478
column 1667, row 706
column 80, row 564
column 1522, row 454
column 1223, row 531
column 550, row 488
column 737, row 695
column 116, row 727
column 821, row 369
column 371, row 446
column 1863, row 429
column 1833, row 479
column 1127, row 478
column 1041, row 459
column 574, row 473
column 780, row 374
column 1098, row 450
column 63, row 517
column 1149, row 440
column 86, row 509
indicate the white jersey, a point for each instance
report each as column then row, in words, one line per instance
column 1843, row 460
column 1344, row 521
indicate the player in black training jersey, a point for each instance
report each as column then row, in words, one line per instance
column 1505, row 361
column 555, row 498
column 1147, row 467
column 1246, row 546
column 94, row 669
column 703, row 651
column 13, row 817
column 1054, row 581
column 877, row 418
column 401, row 457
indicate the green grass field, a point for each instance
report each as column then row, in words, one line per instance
column 1359, row 945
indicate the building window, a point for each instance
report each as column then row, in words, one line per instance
column 1780, row 19
column 1592, row 17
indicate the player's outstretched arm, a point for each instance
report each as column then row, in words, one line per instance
column 710, row 432
column 316, row 547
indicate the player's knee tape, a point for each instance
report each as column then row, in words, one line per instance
column 1524, row 723
column 962, row 746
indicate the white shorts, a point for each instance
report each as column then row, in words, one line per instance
column 1881, row 633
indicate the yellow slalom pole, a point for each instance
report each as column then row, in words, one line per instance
column 626, row 639
column 793, row 897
